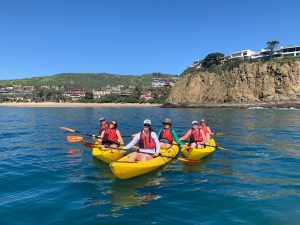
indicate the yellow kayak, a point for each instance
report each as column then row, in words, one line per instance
column 109, row 155
column 123, row 169
column 198, row 153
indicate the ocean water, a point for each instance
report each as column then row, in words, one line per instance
column 46, row 180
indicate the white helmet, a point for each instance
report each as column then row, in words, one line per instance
column 147, row 121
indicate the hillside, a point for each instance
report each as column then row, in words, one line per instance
column 85, row 80
column 256, row 82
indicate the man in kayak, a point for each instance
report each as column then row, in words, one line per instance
column 197, row 136
column 167, row 135
column 148, row 144
column 206, row 130
column 103, row 125
column 111, row 135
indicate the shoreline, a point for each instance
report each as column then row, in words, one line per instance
column 57, row 104
column 280, row 104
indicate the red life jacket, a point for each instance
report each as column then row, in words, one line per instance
column 204, row 128
column 146, row 141
column 166, row 136
column 102, row 127
column 196, row 135
column 110, row 135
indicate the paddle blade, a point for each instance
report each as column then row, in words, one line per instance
column 221, row 148
column 74, row 138
column 91, row 144
column 221, row 134
column 67, row 129
column 189, row 160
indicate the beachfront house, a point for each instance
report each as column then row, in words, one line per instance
column 247, row 53
column 289, row 51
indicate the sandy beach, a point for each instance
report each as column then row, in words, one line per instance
column 56, row 104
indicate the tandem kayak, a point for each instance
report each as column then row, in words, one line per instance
column 198, row 153
column 123, row 169
column 108, row 155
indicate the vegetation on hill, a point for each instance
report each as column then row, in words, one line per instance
column 86, row 81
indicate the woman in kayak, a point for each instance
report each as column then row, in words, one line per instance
column 167, row 135
column 206, row 130
column 197, row 136
column 111, row 135
column 103, row 125
column 148, row 144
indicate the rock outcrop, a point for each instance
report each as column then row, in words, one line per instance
column 249, row 83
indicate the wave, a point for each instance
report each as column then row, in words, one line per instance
column 259, row 107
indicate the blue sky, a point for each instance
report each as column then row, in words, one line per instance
column 45, row 37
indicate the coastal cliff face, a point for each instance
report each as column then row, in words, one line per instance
column 249, row 83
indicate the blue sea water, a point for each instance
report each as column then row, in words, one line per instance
column 46, row 180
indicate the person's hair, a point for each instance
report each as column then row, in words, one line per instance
column 115, row 122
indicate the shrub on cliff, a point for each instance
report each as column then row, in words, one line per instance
column 212, row 59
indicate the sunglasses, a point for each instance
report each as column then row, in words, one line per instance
column 202, row 121
column 113, row 123
column 147, row 125
column 166, row 123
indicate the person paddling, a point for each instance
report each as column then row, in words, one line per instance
column 103, row 125
column 148, row 144
column 111, row 135
column 167, row 135
column 206, row 130
column 197, row 136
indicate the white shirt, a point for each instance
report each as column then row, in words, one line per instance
column 137, row 138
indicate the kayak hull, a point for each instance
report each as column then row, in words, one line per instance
column 199, row 153
column 109, row 155
column 123, row 169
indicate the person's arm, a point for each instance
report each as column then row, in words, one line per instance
column 157, row 144
column 158, row 134
column 203, row 136
column 188, row 133
column 120, row 137
column 133, row 142
column 99, row 138
column 179, row 142
column 209, row 130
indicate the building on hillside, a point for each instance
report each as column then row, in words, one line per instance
column 289, row 51
column 74, row 94
column 196, row 64
column 147, row 95
column 100, row 93
column 242, row 54
column 163, row 82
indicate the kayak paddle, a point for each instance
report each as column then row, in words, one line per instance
column 178, row 158
column 74, row 138
column 221, row 134
column 215, row 146
column 75, row 131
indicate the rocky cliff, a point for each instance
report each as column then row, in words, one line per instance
column 248, row 83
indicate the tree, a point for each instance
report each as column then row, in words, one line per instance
column 89, row 95
column 271, row 45
column 212, row 59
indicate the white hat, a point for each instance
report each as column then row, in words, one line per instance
column 195, row 122
column 101, row 119
column 147, row 121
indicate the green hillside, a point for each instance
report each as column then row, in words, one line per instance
column 85, row 80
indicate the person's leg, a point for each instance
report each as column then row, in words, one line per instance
column 162, row 145
column 193, row 145
column 200, row 144
column 167, row 146
column 114, row 145
column 207, row 138
column 132, row 157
